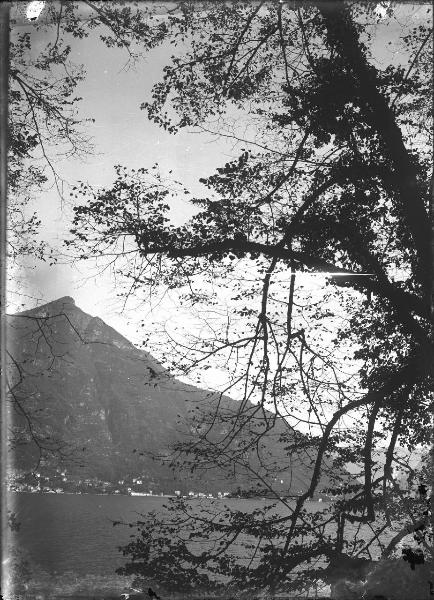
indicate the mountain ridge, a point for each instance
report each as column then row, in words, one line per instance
column 91, row 388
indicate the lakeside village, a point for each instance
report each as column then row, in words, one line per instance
column 61, row 483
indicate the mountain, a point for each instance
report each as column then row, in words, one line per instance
column 111, row 408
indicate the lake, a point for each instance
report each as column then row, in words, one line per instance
column 69, row 541
column 71, row 544
column 75, row 532
column 64, row 532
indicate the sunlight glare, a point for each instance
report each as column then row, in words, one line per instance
column 34, row 9
column 381, row 9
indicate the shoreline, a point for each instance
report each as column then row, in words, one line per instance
column 144, row 495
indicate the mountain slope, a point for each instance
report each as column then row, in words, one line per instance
column 111, row 406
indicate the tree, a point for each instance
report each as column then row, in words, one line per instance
column 336, row 179
column 46, row 126
column 44, row 120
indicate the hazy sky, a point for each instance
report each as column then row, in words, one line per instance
column 112, row 95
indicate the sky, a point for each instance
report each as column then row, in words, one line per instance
column 112, row 92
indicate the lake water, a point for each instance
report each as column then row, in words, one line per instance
column 67, row 532
column 71, row 544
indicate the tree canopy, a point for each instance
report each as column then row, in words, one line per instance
column 46, row 126
column 334, row 176
column 336, row 179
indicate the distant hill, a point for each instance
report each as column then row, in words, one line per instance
column 113, row 406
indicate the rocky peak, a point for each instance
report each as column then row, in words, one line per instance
column 98, row 330
column 114, row 404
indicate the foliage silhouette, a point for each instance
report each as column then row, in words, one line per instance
column 336, row 178
column 46, row 126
